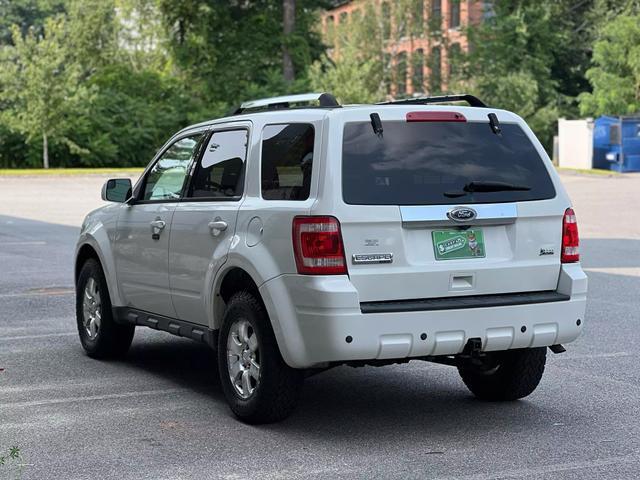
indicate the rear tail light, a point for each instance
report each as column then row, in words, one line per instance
column 318, row 247
column 570, row 239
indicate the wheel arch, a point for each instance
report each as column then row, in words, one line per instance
column 232, row 280
column 85, row 252
column 88, row 248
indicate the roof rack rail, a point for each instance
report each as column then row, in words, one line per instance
column 277, row 103
column 470, row 99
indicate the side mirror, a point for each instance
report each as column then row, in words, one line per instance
column 116, row 190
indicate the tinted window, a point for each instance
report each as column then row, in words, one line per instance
column 287, row 158
column 165, row 180
column 220, row 172
column 416, row 163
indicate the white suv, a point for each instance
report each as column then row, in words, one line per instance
column 294, row 238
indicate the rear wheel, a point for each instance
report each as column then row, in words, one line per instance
column 100, row 335
column 507, row 375
column 258, row 385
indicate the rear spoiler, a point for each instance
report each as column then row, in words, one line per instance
column 472, row 100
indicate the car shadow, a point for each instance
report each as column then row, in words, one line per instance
column 183, row 362
column 346, row 403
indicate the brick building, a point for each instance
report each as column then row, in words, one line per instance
column 419, row 50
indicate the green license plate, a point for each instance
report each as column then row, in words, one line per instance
column 456, row 244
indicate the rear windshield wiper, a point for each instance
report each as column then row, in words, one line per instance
column 487, row 187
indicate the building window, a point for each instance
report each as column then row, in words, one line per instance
column 454, row 22
column 418, row 17
column 385, row 12
column 435, row 20
column 401, row 74
column 343, row 18
column 455, row 58
column 401, row 21
column 386, row 72
column 435, row 76
column 417, row 68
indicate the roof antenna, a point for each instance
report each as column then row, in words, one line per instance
column 494, row 124
column 376, row 123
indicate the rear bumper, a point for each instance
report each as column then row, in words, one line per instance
column 312, row 317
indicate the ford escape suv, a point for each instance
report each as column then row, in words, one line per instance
column 298, row 234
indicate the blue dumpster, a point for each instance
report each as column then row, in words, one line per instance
column 616, row 143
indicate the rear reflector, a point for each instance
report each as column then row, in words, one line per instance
column 570, row 239
column 435, row 117
column 318, row 247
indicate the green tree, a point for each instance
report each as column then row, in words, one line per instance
column 365, row 64
column 26, row 14
column 40, row 89
column 352, row 79
column 529, row 57
column 224, row 50
column 615, row 74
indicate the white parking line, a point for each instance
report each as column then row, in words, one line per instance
column 35, row 242
column 42, row 335
column 54, row 401
column 55, row 293
column 594, row 355
column 630, row 271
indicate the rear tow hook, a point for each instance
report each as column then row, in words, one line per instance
column 473, row 351
column 557, row 348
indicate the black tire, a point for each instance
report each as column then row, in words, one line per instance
column 276, row 394
column 515, row 374
column 111, row 339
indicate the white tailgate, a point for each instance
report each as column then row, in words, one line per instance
column 522, row 243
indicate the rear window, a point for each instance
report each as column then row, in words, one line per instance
column 417, row 163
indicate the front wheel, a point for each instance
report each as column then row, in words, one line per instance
column 258, row 385
column 508, row 375
column 100, row 335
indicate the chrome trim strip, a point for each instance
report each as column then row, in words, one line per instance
column 420, row 216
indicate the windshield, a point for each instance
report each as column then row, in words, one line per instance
column 417, row 163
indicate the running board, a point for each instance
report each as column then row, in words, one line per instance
column 199, row 333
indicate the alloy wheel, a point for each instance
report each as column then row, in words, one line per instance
column 91, row 309
column 243, row 358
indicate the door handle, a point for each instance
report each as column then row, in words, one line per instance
column 217, row 226
column 159, row 224
column 156, row 227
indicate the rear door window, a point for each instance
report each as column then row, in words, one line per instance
column 220, row 172
column 431, row 163
column 287, row 160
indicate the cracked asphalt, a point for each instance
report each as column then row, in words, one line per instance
column 160, row 414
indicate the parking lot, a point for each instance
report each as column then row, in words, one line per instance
column 160, row 413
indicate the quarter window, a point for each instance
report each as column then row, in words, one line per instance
column 165, row 180
column 287, row 158
column 220, row 172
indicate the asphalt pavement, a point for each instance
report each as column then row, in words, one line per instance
column 160, row 414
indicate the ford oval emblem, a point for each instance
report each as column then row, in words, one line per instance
column 462, row 214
